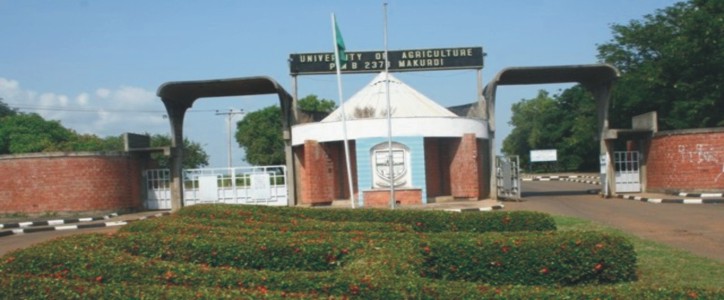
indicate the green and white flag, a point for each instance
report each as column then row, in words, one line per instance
column 339, row 41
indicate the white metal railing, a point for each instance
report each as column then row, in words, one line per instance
column 261, row 185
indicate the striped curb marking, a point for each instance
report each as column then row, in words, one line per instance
column 676, row 201
column 561, row 176
column 56, row 222
column 563, row 179
column 700, row 195
column 477, row 209
column 79, row 226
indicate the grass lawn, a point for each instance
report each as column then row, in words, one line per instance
column 659, row 264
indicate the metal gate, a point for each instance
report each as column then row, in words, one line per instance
column 627, row 171
column 507, row 174
column 265, row 185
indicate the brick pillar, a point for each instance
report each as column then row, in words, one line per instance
column 465, row 168
column 317, row 174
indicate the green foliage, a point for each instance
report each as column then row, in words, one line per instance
column 30, row 133
column 672, row 62
column 238, row 252
column 565, row 122
column 312, row 103
column 565, row 258
column 260, row 132
column 27, row 133
column 6, row 110
column 194, row 154
column 260, row 135
column 421, row 221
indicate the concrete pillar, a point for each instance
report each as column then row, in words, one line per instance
column 176, row 118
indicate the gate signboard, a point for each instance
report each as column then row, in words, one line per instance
column 400, row 61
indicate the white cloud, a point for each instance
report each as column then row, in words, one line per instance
column 103, row 93
column 8, row 85
column 104, row 112
column 82, row 99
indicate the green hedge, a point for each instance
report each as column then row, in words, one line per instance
column 248, row 250
column 189, row 225
column 423, row 221
column 232, row 252
column 25, row 287
column 565, row 258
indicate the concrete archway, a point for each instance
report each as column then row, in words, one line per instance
column 596, row 78
column 179, row 96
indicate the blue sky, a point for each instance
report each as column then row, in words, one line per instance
column 96, row 65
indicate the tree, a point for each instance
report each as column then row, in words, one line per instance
column 565, row 122
column 260, row 135
column 312, row 103
column 578, row 128
column 30, row 133
column 260, row 132
column 194, row 155
column 672, row 62
column 27, row 133
column 532, row 120
column 6, row 110
column 88, row 142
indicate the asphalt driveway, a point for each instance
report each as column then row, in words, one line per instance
column 697, row 228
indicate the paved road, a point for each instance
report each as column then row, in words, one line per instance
column 13, row 242
column 698, row 228
column 18, row 241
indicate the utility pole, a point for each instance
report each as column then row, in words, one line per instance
column 229, row 114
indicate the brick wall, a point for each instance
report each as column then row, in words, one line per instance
column 323, row 173
column 686, row 160
column 453, row 167
column 75, row 182
column 381, row 198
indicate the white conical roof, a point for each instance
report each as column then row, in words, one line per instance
column 371, row 102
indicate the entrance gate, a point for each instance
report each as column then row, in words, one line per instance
column 265, row 185
column 627, row 171
column 507, row 174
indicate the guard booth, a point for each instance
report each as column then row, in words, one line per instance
column 629, row 163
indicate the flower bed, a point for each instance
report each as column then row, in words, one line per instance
column 221, row 251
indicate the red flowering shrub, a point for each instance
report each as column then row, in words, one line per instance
column 249, row 252
column 566, row 258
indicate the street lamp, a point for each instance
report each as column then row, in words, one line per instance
column 229, row 115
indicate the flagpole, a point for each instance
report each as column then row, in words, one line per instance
column 341, row 107
column 390, row 158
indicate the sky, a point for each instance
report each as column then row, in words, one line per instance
column 95, row 66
